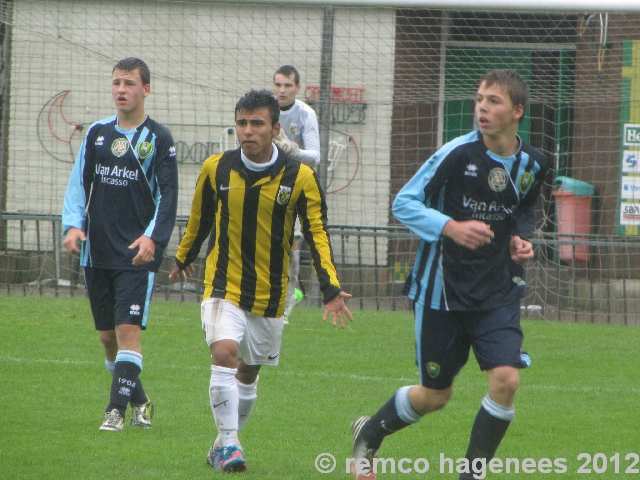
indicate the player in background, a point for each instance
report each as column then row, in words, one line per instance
column 119, row 212
column 247, row 199
column 299, row 137
column 472, row 205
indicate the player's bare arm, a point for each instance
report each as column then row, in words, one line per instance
column 471, row 234
column 521, row 250
column 338, row 309
column 73, row 239
column 146, row 249
column 188, row 272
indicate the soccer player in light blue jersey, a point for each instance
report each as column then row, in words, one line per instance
column 473, row 206
column 119, row 213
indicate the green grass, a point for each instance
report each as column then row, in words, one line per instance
column 581, row 394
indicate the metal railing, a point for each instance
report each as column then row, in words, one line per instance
column 372, row 262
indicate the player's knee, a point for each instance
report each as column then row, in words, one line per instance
column 107, row 335
column 128, row 336
column 247, row 374
column 224, row 353
column 425, row 400
column 441, row 398
column 504, row 381
column 109, row 341
column 512, row 383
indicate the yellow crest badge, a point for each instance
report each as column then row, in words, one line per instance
column 526, row 181
column 293, row 129
column 433, row 369
column 145, row 149
column 284, row 195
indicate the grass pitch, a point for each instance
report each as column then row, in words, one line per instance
column 580, row 396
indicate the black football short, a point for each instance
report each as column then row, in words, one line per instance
column 443, row 341
column 119, row 296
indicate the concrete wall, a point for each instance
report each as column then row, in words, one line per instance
column 203, row 57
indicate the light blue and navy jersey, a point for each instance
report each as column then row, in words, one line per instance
column 127, row 181
column 465, row 181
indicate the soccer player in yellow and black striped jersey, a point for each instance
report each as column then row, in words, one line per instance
column 247, row 200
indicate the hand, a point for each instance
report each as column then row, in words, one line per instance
column 521, row 250
column 146, row 250
column 471, row 234
column 73, row 239
column 286, row 144
column 338, row 308
column 188, row 272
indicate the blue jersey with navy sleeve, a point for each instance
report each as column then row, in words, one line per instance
column 465, row 181
column 124, row 184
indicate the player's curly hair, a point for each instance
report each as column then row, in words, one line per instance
column 512, row 82
column 256, row 99
column 130, row 64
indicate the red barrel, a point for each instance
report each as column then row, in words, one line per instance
column 574, row 216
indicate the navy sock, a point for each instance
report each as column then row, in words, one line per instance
column 486, row 435
column 138, row 396
column 125, row 381
column 387, row 420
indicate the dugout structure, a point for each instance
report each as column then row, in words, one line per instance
column 390, row 81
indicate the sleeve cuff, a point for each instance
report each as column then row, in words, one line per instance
column 330, row 293
column 181, row 265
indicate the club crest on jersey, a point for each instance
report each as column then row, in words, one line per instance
column 526, row 181
column 145, row 149
column 119, row 146
column 293, row 129
column 433, row 369
column 498, row 179
column 284, row 195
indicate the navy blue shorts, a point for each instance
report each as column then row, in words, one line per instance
column 119, row 296
column 443, row 340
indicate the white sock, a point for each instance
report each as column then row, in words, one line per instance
column 224, row 398
column 294, row 271
column 111, row 366
column 494, row 409
column 248, row 396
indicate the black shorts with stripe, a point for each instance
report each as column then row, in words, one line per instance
column 443, row 341
column 119, row 296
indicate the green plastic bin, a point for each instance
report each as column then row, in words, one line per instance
column 578, row 187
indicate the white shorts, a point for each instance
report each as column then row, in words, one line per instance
column 297, row 228
column 258, row 338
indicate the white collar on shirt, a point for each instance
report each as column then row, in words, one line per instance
column 260, row 167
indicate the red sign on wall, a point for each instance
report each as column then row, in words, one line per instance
column 338, row 94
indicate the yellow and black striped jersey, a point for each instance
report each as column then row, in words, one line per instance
column 250, row 217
